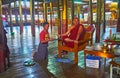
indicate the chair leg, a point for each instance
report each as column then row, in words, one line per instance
column 59, row 54
column 118, row 70
column 111, row 72
column 76, row 57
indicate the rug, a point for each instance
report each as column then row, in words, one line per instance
column 62, row 59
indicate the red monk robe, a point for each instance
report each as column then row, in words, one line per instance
column 73, row 34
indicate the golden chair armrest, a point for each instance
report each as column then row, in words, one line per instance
column 77, row 43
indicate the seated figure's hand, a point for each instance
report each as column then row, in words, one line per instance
column 68, row 39
column 75, row 41
column 59, row 35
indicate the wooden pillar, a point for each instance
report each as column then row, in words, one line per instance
column 21, row 17
column 103, row 15
column 59, row 14
column 10, row 16
column 79, row 11
column 32, row 17
column 91, row 13
column 64, row 17
column 25, row 12
column 45, row 10
column 98, row 21
column 16, row 13
column 38, row 14
column 2, row 55
column 51, row 10
column 118, row 22
column 72, row 11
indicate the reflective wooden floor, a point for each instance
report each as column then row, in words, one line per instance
column 21, row 48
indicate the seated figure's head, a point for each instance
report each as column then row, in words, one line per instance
column 76, row 21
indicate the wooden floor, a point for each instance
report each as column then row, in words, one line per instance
column 22, row 46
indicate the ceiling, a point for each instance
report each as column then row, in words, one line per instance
column 9, row 1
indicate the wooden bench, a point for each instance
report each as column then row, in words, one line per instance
column 83, row 43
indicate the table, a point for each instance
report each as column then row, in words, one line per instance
column 98, row 53
column 112, row 42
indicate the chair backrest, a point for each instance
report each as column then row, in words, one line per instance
column 89, row 35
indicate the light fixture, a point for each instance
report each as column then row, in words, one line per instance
column 79, row 2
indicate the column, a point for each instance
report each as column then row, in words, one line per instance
column 2, row 56
column 10, row 16
column 98, row 21
column 79, row 11
column 32, row 17
column 51, row 10
column 25, row 12
column 21, row 17
column 38, row 14
column 16, row 12
column 118, row 22
column 45, row 10
column 103, row 15
column 91, row 13
column 64, row 17
column 59, row 18
column 72, row 10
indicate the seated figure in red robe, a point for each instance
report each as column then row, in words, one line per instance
column 75, row 32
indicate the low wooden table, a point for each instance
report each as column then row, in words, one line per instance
column 98, row 53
